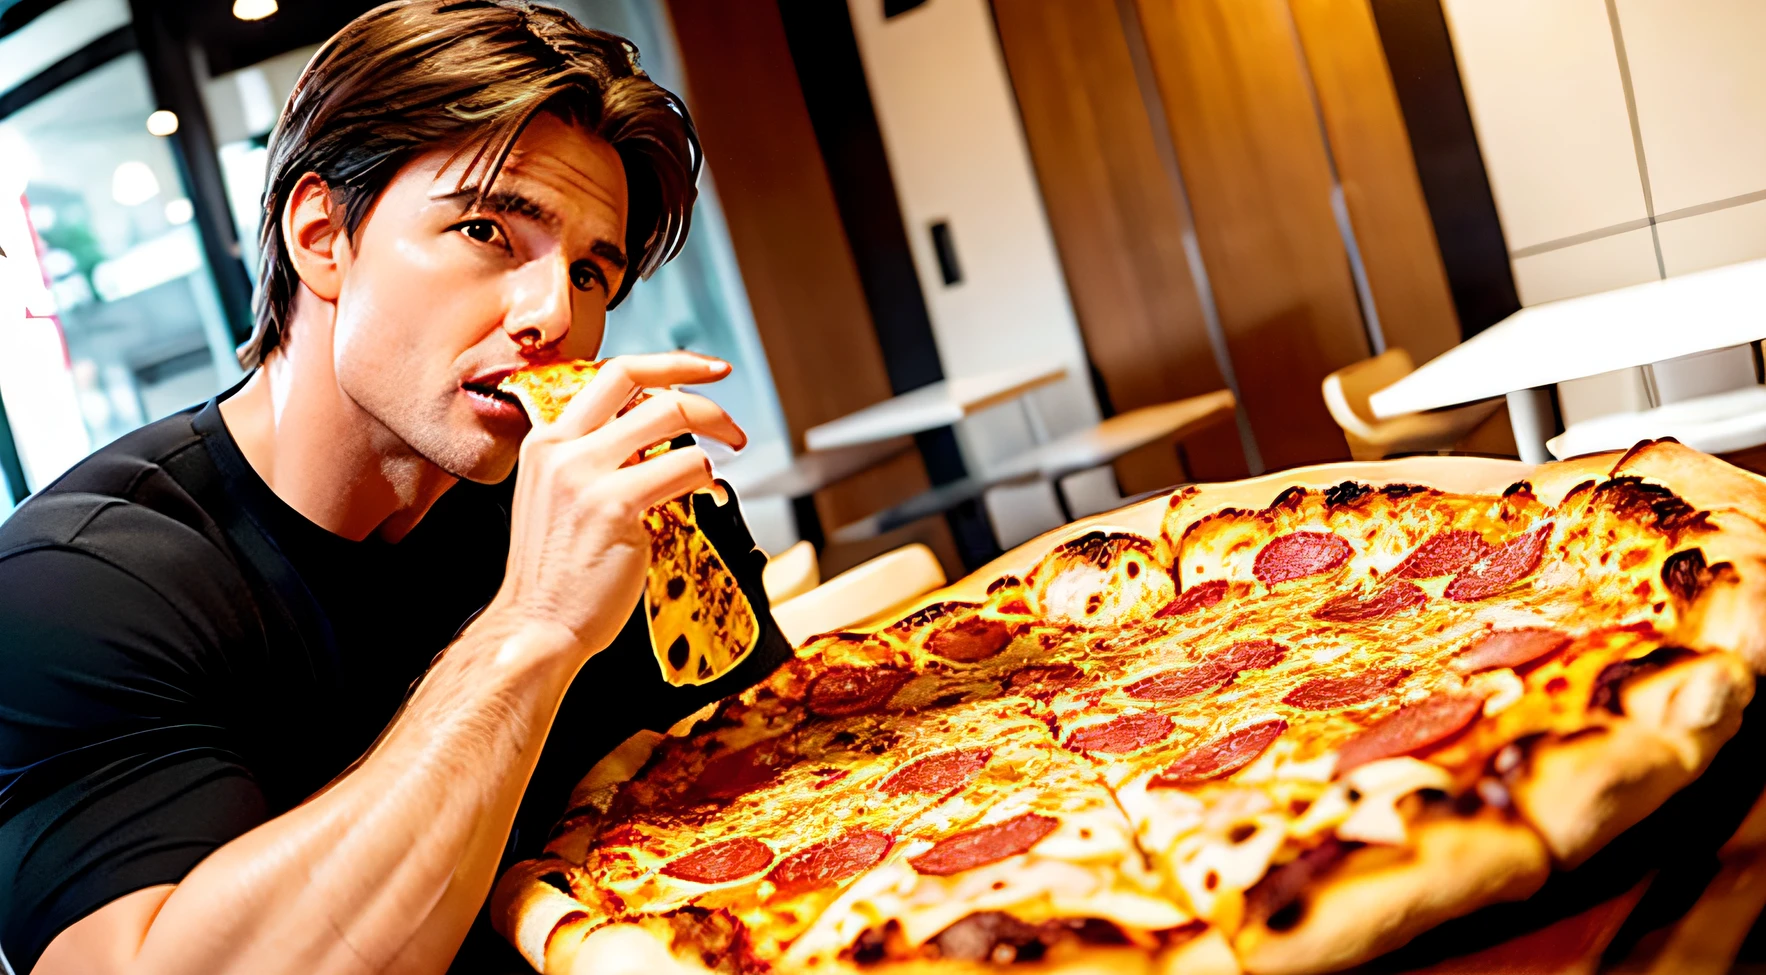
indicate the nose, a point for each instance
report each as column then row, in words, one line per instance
column 539, row 312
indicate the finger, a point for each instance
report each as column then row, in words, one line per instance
column 664, row 416
column 621, row 377
column 672, row 475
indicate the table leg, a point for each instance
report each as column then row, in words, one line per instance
column 809, row 521
column 1534, row 421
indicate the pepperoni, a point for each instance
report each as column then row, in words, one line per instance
column 979, row 847
column 1200, row 596
column 1300, row 554
column 1327, row 693
column 721, row 862
column 1509, row 648
column 742, row 771
column 1130, row 732
column 1044, row 681
column 1506, row 565
column 821, row 864
column 970, row 640
column 943, row 772
column 1447, row 553
column 844, row 690
column 1396, row 597
column 1253, row 655
column 1410, row 728
column 1222, row 756
column 1175, row 685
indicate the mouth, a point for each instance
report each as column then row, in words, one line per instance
column 483, row 389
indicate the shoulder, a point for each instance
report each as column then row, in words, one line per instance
column 120, row 520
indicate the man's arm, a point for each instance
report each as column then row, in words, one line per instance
column 386, row 868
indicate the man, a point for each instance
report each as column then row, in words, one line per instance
column 276, row 672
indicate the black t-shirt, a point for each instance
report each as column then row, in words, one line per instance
column 183, row 656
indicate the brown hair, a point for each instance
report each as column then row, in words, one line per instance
column 416, row 74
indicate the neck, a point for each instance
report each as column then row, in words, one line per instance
column 324, row 455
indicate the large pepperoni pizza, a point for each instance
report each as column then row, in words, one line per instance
column 1278, row 726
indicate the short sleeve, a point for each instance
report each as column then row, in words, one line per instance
column 112, row 776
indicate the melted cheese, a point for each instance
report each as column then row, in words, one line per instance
column 1088, row 867
column 1381, row 785
column 1500, row 688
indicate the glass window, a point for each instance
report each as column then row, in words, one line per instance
column 122, row 322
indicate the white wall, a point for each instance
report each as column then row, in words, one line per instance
column 1596, row 190
column 957, row 153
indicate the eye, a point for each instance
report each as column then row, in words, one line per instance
column 481, row 230
column 584, row 276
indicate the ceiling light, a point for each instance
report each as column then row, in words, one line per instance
column 133, row 183
column 253, row 9
column 162, row 123
column 179, row 211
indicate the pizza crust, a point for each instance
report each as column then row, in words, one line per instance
column 1467, row 475
column 1381, row 897
column 533, row 914
column 1582, row 790
column 1707, row 483
column 1208, row 953
column 1087, row 960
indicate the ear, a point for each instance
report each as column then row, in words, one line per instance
column 312, row 232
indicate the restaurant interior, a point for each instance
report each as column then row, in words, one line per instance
column 985, row 267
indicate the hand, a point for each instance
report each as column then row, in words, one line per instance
column 578, row 549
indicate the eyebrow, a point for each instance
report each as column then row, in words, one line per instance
column 506, row 201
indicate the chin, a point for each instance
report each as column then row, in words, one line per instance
column 491, row 470
column 468, row 451
column 481, row 459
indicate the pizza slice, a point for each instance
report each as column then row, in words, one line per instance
column 701, row 623
column 1031, row 861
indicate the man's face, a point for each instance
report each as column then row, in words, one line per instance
column 440, row 300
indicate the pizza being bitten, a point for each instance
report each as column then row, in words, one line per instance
column 701, row 623
column 1279, row 726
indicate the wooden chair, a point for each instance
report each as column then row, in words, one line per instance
column 861, row 592
column 791, row 573
column 1346, row 392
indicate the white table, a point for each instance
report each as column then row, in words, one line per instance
column 934, row 405
column 1098, row 445
column 1524, row 355
column 1056, row 459
column 809, row 472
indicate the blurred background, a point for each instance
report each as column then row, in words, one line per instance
column 983, row 267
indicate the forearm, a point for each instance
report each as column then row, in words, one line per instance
column 387, row 867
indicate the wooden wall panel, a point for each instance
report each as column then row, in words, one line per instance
column 1258, row 179
column 796, row 263
column 1117, row 221
column 1377, row 170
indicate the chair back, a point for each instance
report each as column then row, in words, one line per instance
column 791, row 573
column 861, row 592
column 1346, row 391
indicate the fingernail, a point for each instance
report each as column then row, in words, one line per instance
column 719, row 367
